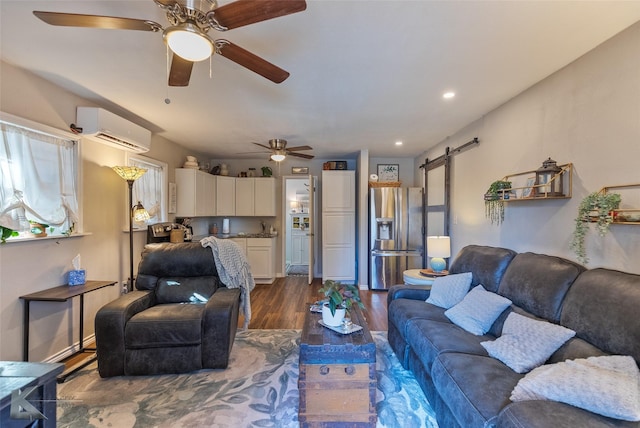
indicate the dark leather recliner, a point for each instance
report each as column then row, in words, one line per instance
column 158, row 328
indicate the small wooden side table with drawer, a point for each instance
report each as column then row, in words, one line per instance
column 337, row 380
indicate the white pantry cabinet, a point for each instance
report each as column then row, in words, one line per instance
column 338, row 226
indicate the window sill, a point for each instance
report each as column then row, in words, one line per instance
column 44, row 238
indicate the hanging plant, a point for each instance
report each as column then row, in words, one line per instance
column 596, row 208
column 494, row 201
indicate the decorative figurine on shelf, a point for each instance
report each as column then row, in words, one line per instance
column 224, row 169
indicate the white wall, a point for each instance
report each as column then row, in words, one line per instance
column 587, row 113
column 27, row 267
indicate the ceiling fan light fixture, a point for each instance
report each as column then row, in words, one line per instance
column 278, row 156
column 189, row 42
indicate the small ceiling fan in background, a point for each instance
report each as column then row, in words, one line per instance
column 190, row 21
column 279, row 151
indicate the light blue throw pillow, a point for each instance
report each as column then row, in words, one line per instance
column 478, row 310
column 526, row 343
column 447, row 291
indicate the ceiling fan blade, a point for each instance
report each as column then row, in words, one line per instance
column 180, row 72
column 299, row 148
column 96, row 21
column 245, row 12
column 262, row 145
column 251, row 61
column 301, row 155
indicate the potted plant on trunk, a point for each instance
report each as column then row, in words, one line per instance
column 339, row 299
column 596, row 208
column 494, row 200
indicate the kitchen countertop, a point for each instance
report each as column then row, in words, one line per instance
column 237, row 235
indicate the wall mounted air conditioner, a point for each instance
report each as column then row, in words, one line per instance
column 107, row 128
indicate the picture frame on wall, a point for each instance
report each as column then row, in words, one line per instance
column 388, row 172
column 527, row 192
column 300, row 170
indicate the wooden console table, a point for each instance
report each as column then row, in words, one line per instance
column 61, row 293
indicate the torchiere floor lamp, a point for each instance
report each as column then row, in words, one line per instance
column 137, row 213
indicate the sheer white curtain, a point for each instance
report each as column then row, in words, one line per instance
column 150, row 189
column 39, row 179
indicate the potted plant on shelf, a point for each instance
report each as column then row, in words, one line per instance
column 494, row 200
column 38, row 229
column 6, row 233
column 339, row 299
column 596, row 208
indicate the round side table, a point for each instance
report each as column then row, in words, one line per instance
column 413, row 277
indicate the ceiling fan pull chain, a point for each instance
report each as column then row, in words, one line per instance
column 210, row 68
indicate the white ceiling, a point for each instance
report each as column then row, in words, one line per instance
column 364, row 73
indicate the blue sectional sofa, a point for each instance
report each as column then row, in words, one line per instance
column 467, row 387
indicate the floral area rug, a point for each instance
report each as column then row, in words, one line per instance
column 258, row 389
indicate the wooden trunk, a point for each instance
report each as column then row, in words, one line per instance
column 337, row 380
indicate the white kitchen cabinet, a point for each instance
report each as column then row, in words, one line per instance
column 255, row 197
column 265, row 197
column 261, row 257
column 299, row 249
column 338, row 226
column 245, row 196
column 195, row 193
column 225, row 195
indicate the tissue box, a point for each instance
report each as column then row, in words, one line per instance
column 77, row 277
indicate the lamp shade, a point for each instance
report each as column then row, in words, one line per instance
column 438, row 246
column 139, row 213
column 278, row 156
column 189, row 42
column 129, row 173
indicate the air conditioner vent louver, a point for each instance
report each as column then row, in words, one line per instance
column 105, row 127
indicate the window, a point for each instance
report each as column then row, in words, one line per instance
column 39, row 170
column 150, row 189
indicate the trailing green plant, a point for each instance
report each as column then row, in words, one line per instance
column 494, row 201
column 595, row 207
column 6, row 233
column 341, row 295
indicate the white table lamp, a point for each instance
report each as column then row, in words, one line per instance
column 438, row 248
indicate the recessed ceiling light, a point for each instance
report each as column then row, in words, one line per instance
column 398, row 143
column 448, row 95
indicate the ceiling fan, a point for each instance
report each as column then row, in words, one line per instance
column 279, row 150
column 190, row 21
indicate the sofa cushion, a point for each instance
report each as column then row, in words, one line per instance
column 487, row 264
column 609, row 385
column 545, row 414
column 181, row 289
column 430, row 338
column 538, row 283
column 167, row 325
column 527, row 343
column 446, row 291
column 478, row 310
column 474, row 387
column 402, row 310
column 602, row 308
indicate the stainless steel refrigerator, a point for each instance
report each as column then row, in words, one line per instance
column 396, row 236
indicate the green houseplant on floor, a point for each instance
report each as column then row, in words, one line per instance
column 596, row 208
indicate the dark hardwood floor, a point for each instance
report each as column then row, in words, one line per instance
column 283, row 304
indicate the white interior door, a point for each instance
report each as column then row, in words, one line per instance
column 312, row 226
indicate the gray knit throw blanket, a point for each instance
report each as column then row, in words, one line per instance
column 234, row 270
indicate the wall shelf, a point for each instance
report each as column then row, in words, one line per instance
column 630, row 216
column 523, row 187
